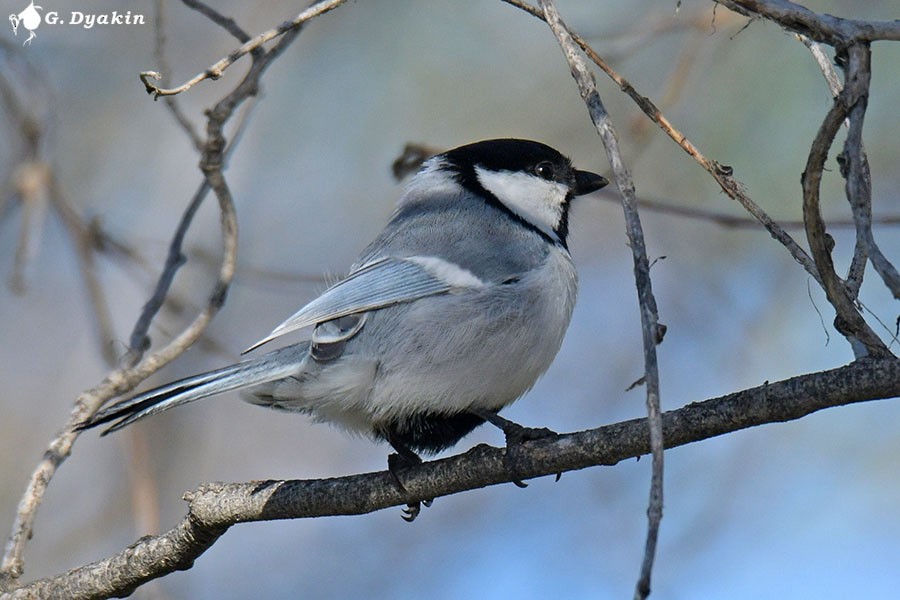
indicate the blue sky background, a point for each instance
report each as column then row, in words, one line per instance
column 805, row 509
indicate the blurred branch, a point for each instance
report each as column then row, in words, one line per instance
column 213, row 508
column 31, row 182
column 85, row 242
column 216, row 70
column 226, row 23
column 730, row 221
column 414, row 154
column 159, row 54
column 652, row 331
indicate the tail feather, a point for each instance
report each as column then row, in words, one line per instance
column 275, row 365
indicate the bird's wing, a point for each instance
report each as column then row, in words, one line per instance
column 378, row 284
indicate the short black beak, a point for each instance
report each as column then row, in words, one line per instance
column 587, row 182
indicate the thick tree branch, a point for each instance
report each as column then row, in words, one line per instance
column 825, row 28
column 213, row 508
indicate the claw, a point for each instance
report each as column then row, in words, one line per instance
column 411, row 511
column 403, row 459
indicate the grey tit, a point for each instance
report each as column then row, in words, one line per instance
column 451, row 314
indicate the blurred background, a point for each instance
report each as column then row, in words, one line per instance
column 806, row 509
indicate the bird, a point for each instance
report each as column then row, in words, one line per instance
column 451, row 314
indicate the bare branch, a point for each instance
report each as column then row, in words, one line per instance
column 828, row 71
column 650, row 327
column 855, row 169
column 215, row 71
column 139, row 342
column 862, row 211
column 849, row 321
column 214, row 154
column 825, row 28
column 213, row 508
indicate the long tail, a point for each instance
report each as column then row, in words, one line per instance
column 275, row 365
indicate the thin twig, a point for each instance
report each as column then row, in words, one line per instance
column 828, row 70
column 226, row 23
column 651, row 330
column 85, row 248
column 159, row 54
column 139, row 340
column 215, row 71
column 729, row 221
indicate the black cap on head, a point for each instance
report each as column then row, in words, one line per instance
column 506, row 155
column 509, row 154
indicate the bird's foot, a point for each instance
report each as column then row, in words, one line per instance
column 403, row 459
column 515, row 436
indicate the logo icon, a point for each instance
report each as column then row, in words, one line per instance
column 30, row 18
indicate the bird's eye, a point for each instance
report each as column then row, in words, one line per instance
column 545, row 170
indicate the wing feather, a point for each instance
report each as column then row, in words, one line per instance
column 379, row 284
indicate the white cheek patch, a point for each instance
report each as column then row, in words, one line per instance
column 538, row 201
column 448, row 272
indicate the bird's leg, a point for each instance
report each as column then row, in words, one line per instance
column 403, row 459
column 515, row 435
